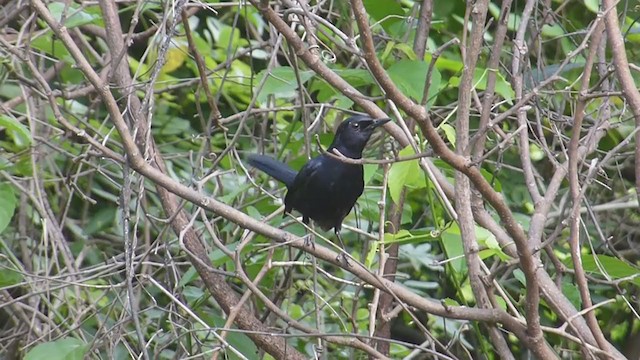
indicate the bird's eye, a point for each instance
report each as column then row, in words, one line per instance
column 355, row 125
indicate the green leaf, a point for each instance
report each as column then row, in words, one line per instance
column 405, row 174
column 62, row 349
column 327, row 93
column 7, row 205
column 452, row 243
column 486, row 238
column 407, row 50
column 492, row 179
column 450, row 302
column 17, row 132
column 368, row 260
column 172, row 126
column 369, row 171
column 356, row 77
column 405, row 236
column 608, row 266
column 229, row 36
column 519, row 275
column 389, row 12
column 50, row 46
column 552, row 30
column 281, row 82
column 592, row 5
column 410, row 76
column 449, row 133
column 74, row 14
column 571, row 292
column 9, row 277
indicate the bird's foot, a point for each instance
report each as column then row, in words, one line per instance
column 342, row 258
column 310, row 241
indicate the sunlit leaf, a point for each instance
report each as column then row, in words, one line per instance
column 281, row 82
column 405, row 174
column 72, row 14
column 62, row 349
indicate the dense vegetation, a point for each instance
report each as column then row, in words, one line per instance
column 500, row 217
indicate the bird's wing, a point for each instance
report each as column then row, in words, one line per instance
column 307, row 173
column 302, row 184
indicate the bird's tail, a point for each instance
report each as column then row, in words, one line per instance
column 276, row 169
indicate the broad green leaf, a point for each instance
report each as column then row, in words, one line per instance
column 387, row 11
column 608, row 266
column 552, row 31
column 9, row 277
column 327, row 93
column 281, row 82
column 592, row 5
column 356, row 77
column 452, row 243
column 73, row 14
column 443, row 63
column 571, row 292
column 224, row 36
column 176, row 56
column 173, row 126
column 62, row 349
column 7, row 205
column 9, row 91
column 369, row 171
column 410, row 76
column 405, row 174
column 193, row 293
column 229, row 37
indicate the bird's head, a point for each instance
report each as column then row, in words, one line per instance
column 352, row 134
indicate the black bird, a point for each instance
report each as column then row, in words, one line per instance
column 325, row 189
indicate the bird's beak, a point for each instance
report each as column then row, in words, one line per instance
column 380, row 122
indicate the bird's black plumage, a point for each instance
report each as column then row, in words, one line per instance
column 325, row 189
